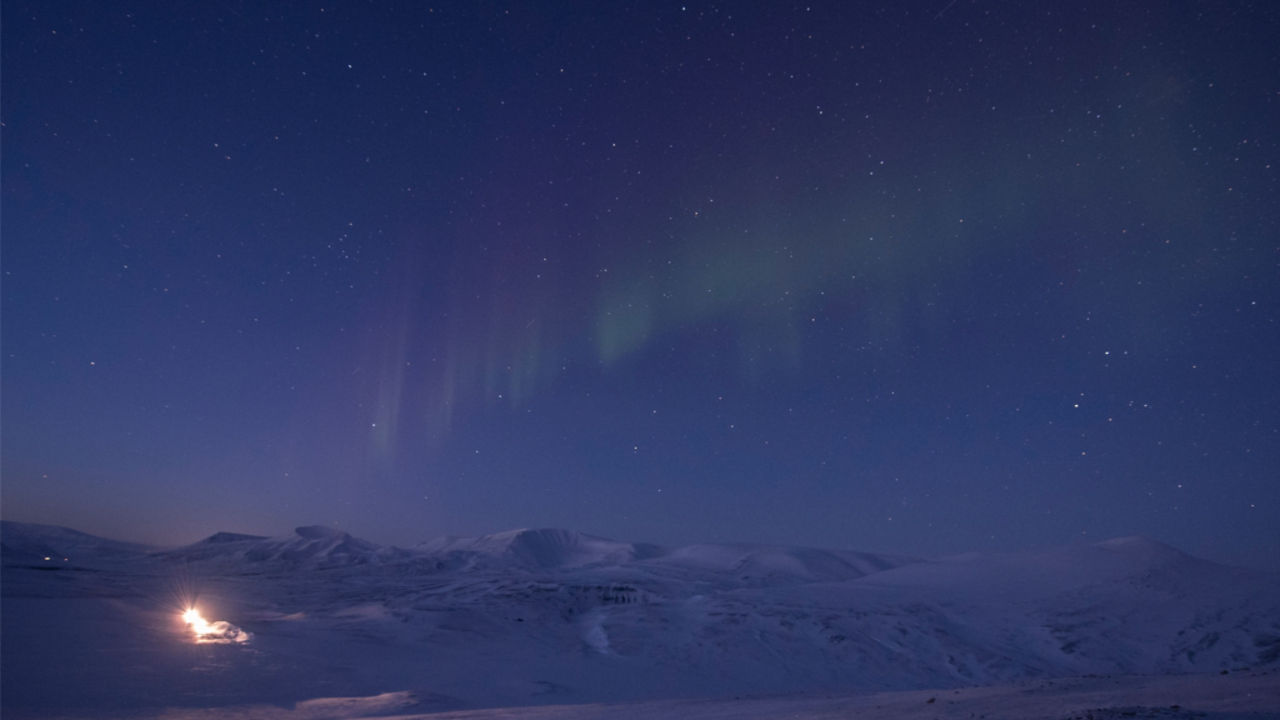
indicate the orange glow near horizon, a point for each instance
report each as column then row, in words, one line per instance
column 221, row 631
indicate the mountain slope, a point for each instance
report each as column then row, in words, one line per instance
column 309, row 545
column 543, row 549
column 29, row 543
column 551, row 616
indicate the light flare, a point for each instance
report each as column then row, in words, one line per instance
column 219, row 632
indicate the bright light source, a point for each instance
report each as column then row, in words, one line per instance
column 220, row 632
column 198, row 624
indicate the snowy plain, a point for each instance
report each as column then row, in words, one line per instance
column 555, row 624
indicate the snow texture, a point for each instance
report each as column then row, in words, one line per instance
column 560, row 624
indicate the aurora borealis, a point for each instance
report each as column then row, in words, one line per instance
column 923, row 277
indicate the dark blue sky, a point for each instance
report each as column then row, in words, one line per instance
column 924, row 277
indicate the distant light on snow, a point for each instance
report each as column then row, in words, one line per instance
column 220, row 632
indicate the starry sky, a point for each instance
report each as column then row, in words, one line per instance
column 926, row 277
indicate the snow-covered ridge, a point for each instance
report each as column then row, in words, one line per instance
column 311, row 544
column 553, row 549
column 578, row 618
column 549, row 548
column 766, row 564
column 41, row 544
column 542, row 549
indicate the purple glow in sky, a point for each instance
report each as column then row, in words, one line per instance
column 906, row 277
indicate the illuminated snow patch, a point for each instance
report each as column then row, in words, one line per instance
column 220, row 631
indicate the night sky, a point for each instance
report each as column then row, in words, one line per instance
column 926, row 277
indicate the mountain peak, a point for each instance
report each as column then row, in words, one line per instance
column 543, row 548
column 228, row 537
column 319, row 532
column 1139, row 545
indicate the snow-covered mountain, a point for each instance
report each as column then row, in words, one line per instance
column 310, row 545
column 768, row 565
column 555, row 549
column 51, row 545
column 552, row 616
column 543, row 549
